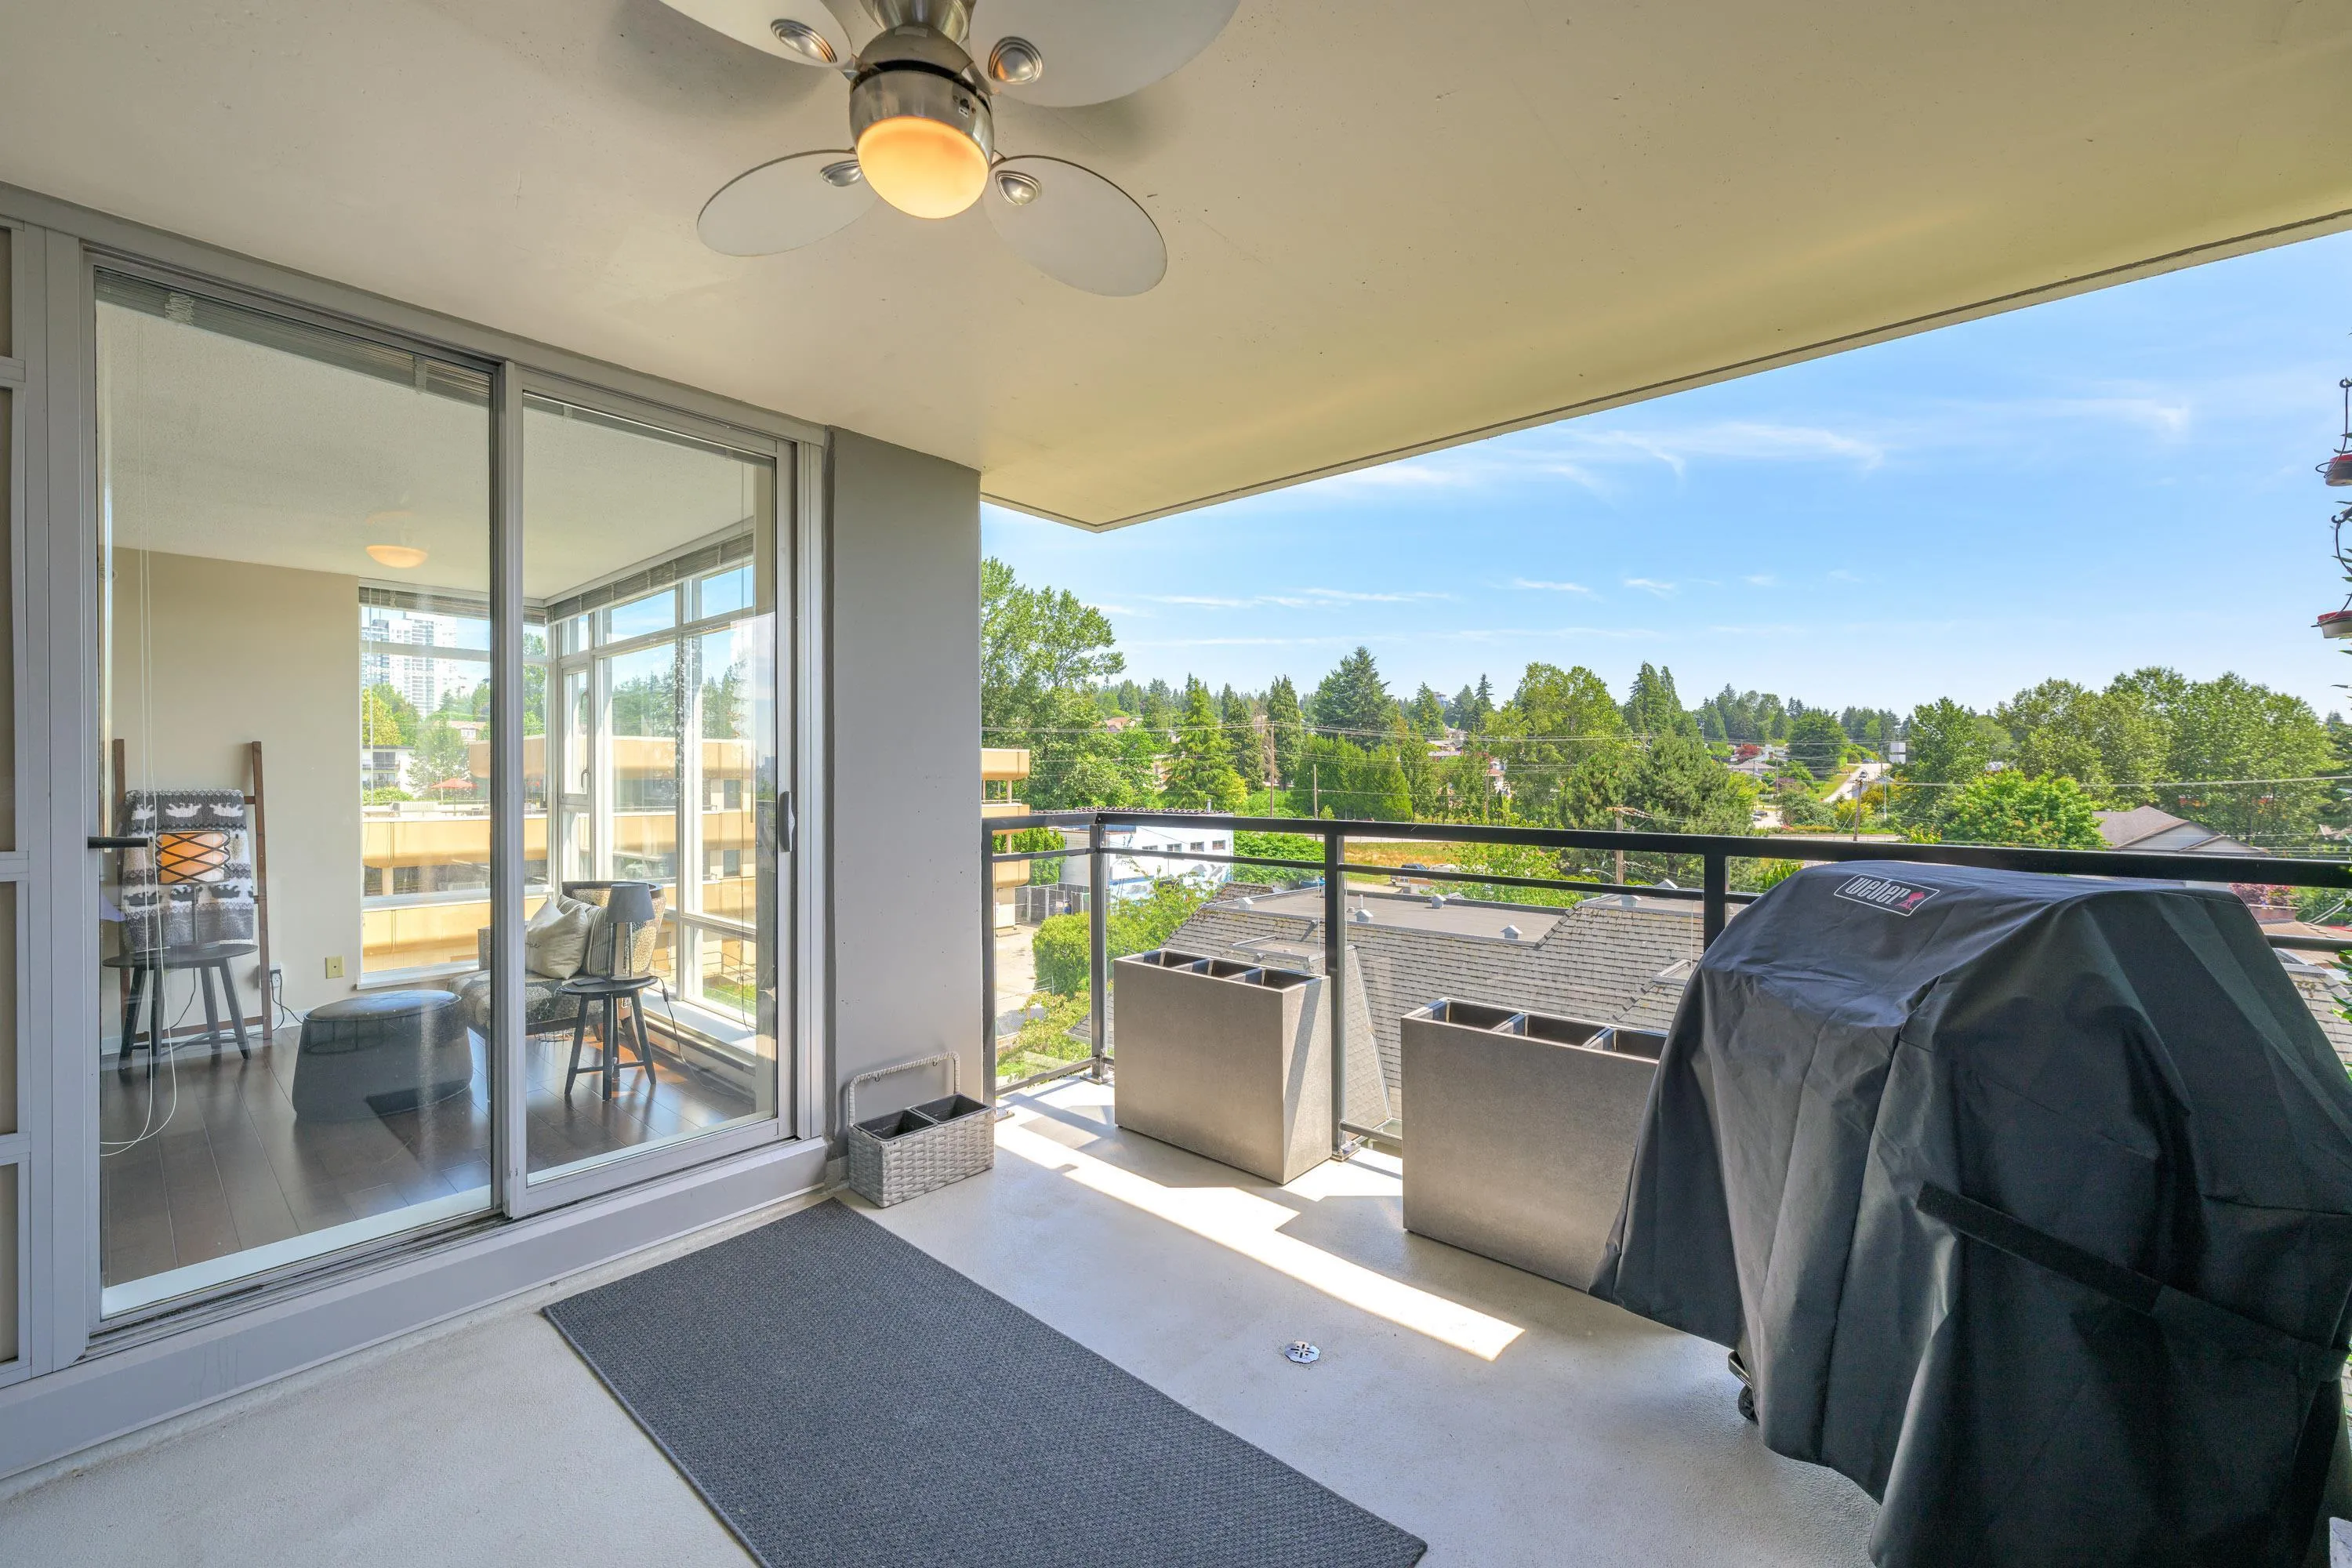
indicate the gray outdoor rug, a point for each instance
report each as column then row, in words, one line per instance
column 841, row 1397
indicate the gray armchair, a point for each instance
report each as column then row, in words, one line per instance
column 546, row 1008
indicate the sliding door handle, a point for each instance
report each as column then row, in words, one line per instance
column 124, row 841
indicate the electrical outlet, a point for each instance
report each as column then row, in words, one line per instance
column 335, row 967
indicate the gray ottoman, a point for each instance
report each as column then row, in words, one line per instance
column 377, row 1055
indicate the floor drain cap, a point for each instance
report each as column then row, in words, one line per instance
column 1302, row 1352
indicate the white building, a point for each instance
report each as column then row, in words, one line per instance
column 423, row 679
column 1131, row 876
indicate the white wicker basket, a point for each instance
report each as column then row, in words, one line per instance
column 909, row 1153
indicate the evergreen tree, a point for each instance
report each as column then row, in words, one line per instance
column 1353, row 701
column 1288, row 726
column 1245, row 739
column 1652, row 709
column 1428, row 713
column 1816, row 743
column 1457, row 707
column 1201, row 775
column 1157, row 708
column 1482, row 707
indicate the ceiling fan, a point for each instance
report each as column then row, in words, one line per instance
column 922, row 76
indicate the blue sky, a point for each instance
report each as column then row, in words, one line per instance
column 2075, row 490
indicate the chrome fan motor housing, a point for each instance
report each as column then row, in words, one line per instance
column 916, row 70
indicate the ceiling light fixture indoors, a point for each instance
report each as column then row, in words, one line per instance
column 393, row 548
column 922, row 122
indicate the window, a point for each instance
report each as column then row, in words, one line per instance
column 425, row 688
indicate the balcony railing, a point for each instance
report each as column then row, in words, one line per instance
column 1714, row 898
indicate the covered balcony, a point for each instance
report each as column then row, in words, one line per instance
column 490, row 646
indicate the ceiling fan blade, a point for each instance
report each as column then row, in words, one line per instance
column 784, row 205
column 1075, row 226
column 1088, row 51
column 771, row 26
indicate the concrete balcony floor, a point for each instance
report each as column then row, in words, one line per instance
column 1505, row 1419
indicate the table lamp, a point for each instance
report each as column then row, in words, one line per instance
column 628, row 906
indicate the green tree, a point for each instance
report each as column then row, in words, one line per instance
column 387, row 718
column 722, row 705
column 1084, row 764
column 1245, row 739
column 1353, row 701
column 1042, row 654
column 1427, row 714
column 1288, row 726
column 1652, row 708
column 1201, row 775
column 2233, row 729
column 2120, row 737
column 1338, row 778
column 440, row 756
column 1946, row 744
column 1558, row 723
column 2011, row 808
column 1816, row 741
column 1684, row 788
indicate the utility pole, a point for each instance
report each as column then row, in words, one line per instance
column 1315, row 789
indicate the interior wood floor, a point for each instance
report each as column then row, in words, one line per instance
column 227, row 1167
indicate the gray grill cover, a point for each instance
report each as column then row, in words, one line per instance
column 2119, row 1074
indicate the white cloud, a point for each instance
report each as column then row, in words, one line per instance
column 1506, row 634
column 1652, row 585
column 1762, row 580
column 1302, row 599
column 1344, row 596
column 1551, row 587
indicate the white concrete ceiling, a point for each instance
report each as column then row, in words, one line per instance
column 1388, row 225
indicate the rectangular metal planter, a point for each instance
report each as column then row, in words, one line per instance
column 1521, row 1131
column 1230, row 1061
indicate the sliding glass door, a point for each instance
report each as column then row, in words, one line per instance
column 385, row 946
column 648, row 554
column 293, row 844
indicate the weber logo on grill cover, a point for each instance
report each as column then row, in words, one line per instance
column 1879, row 893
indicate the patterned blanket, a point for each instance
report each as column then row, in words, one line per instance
column 205, row 896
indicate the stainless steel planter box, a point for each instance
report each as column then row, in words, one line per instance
column 1520, row 1133
column 1229, row 1060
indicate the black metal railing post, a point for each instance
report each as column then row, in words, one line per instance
column 1714, row 903
column 987, row 963
column 1098, row 948
column 1335, row 976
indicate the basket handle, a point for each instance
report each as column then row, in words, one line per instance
column 955, row 1076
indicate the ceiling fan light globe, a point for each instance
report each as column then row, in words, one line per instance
column 922, row 167
column 400, row 557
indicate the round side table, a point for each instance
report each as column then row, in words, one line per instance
column 611, row 992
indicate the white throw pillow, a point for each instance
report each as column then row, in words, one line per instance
column 557, row 948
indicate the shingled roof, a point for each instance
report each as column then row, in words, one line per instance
column 1615, row 959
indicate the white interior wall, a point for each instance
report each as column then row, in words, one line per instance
column 904, row 698
column 209, row 656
